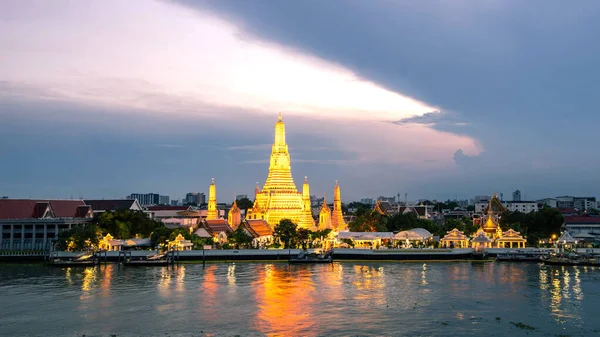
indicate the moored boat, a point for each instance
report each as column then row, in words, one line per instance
column 572, row 260
column 312, row 258
column 521, row 256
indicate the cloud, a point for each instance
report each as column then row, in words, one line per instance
column 150, row 70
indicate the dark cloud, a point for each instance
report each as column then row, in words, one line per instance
column 522, row 75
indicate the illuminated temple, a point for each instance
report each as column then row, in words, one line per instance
column 279, row 198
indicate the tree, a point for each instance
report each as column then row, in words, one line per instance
column 126, row 223
column 79, row 238
column 244, row 203
column 160, row 235
column 369, row 222
column 240, row 238
column 286, row 231
column 303, row 236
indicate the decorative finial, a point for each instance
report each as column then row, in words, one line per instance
column 213, row 180
column 279, row 118
column 336, row 183
column 305, row 179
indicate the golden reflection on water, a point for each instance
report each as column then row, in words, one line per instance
column 180, row 284
column 107, row 272
column 209, row 295
column 563, row 285
column 370, row 282
column 68, row 276
column 285, row 300
column 231, row 275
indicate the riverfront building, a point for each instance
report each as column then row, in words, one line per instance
column 31, row 224
column 280, row 199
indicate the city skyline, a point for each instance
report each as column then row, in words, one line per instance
column 114, row 109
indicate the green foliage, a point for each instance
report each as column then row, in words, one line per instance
column 160, row 236
column 369, row 221
column 320, row 234
column 287, row 232
column 303, row 236
column 79, row 238
column 125, row 224
column 536, row 225
column 244, row 203
column 240, row 238
column 349, row 242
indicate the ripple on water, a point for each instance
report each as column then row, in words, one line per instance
column 247, row 299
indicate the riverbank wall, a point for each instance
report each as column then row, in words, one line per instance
column 340, row 254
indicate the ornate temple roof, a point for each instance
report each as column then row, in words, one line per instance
column 481, row 237
column 258, row 228
column 454, row 235
column 495, row 205
column 379, row 208
column 511, row 235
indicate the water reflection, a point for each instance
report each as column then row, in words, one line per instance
column 563, row 284
column 209, row 290
column 285, row 300
column 231, row 275
column 341, row 299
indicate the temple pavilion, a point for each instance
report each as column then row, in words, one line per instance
column 489, row 227
column 455, row 238
column 512, row 239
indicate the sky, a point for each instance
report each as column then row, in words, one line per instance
column 436, row 99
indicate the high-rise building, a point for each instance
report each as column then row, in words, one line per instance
column 163, row 199
column 517, row 195
column 195, row 199
column 368, row 201
column 148, row 199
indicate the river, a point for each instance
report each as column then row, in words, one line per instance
column 277, row 299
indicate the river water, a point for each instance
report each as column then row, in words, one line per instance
column 277, row 299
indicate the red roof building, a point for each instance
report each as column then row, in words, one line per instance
column 27, row 224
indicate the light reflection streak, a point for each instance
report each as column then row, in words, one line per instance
column 164, row 283
column 424, row 275
column 370, row 283
column 180, row 284
column 209, row 294
column 564, row 286
column 285, row 300
column 231, row 275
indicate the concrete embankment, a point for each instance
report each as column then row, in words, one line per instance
column 264, row 255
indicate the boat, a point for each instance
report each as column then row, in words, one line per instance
column 571, row 260
column 86, row 259
column 158, row 259
column 521, row 256
column 159, row 262
column 304, row 257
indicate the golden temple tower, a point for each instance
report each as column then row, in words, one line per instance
column 212, row 202
column 279, row 198
column 337, row 217
column 324, row 215
column 306, row 219
column 234, row 217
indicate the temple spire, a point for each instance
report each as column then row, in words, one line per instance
column 280, row 170
column 337, row 217
column 212, row 213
